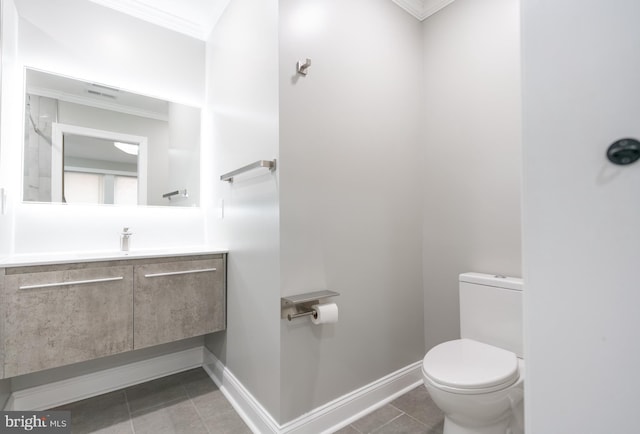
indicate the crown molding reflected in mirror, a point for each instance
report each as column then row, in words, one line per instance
column 77, row 140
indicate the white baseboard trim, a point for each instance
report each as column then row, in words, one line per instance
column 89, row 385
column 324, row 419
column 250, row 410
column 350, row 407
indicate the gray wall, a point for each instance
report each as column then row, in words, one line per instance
column 581, row 93
column 472, row 153
column 350, row 194
column 333, row 217
column 242, row 103
column 365, row 193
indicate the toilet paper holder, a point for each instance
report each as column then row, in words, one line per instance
column 306, row 313
column 297, row 306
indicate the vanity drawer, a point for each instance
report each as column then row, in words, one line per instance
column 58, row 317
column 177, row 300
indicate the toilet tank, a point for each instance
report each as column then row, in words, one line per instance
column 491, row 310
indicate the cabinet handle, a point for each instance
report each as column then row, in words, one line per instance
column 175, row 273
column 76, row 282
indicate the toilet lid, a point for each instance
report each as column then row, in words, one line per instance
column 468, row 364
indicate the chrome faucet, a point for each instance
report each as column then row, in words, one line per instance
column 124, row 239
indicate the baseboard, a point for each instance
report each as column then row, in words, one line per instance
column 324, row 419
column 352, row 406
column 250, row 410
column 89, row 385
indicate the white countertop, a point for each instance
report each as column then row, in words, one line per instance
column 29, row 259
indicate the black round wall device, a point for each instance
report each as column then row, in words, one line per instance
column 624, row 151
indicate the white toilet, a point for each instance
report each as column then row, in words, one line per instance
column 478, row 380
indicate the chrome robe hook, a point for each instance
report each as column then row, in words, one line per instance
column 302, row 67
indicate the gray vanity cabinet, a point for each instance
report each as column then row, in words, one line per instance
column 177, row 300
column 60, row 314
column 57, row 314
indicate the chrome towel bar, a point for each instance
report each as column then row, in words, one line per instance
column 77, row 282
column 270, row 164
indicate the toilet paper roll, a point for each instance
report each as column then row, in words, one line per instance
column 327, row 313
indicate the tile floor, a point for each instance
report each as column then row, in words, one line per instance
column 184, row 403
column 190, row 403
column 412, row 413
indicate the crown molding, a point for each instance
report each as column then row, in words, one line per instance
column 422, row 9
column 156, row 16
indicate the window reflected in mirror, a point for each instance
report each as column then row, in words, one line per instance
column 99, row 171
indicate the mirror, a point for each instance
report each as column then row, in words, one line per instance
column 91, row 143
column 97, row 166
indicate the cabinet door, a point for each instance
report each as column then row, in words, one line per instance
column 59, row 317
column 177, row 300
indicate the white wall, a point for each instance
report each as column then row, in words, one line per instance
column 9, row 155
column 53, row 39
column 108, row 47
column 350, row 194
column 472, row 153
column 581, row 92
column 242, row 101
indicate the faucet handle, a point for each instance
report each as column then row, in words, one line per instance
column 125, row 231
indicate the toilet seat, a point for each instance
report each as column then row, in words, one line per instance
column 466, row 366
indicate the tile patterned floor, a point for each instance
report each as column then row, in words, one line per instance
column 190, row 403
column 412, row 413
column 184, row 403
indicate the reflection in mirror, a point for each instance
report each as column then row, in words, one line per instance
column 88, row 143
column 99, row 167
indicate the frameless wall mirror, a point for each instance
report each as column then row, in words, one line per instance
column 92, row 143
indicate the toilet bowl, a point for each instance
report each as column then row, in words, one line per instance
column 478, row 380
column 479, row 387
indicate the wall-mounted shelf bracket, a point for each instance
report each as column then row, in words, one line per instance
column 295, row 306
